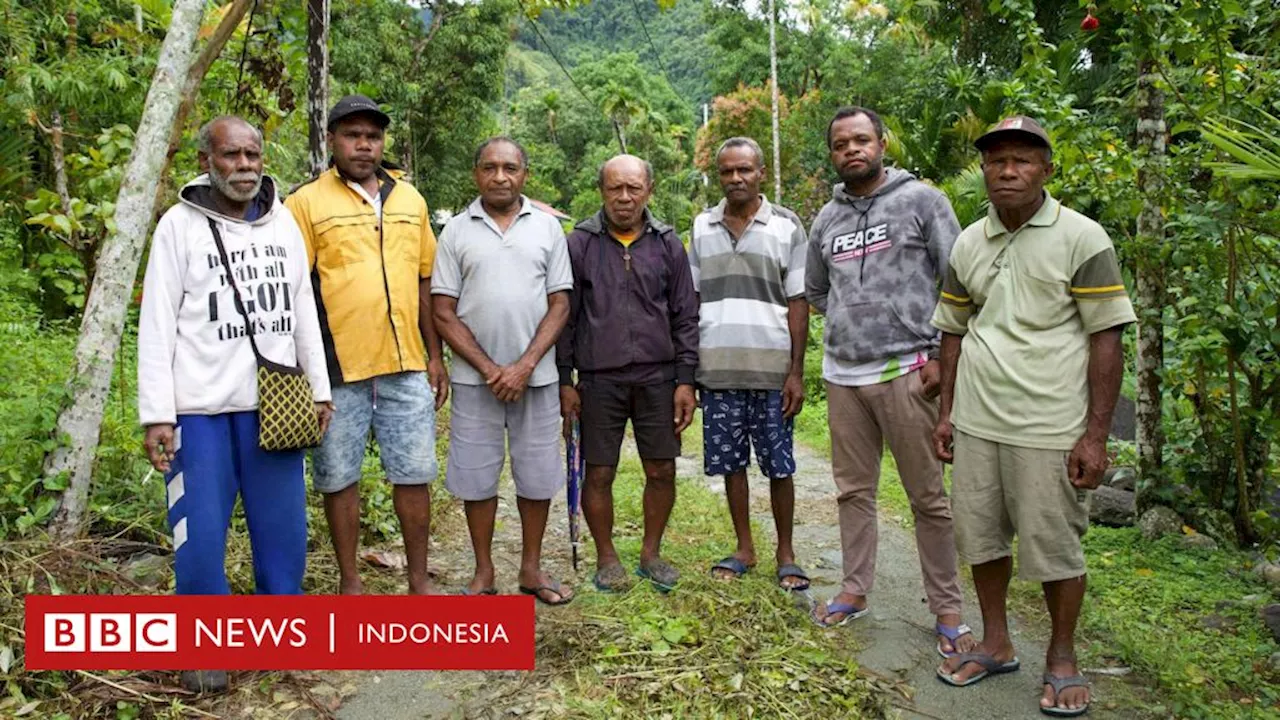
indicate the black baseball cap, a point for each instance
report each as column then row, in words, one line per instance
column 1018, row 127
column 357, row 105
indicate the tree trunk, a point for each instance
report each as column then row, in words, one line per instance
column 317, row 81
column 773, row 79
column 1150, row 275
column 104, row 315
column 197, row 71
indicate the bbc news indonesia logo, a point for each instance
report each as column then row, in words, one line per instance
column 264, row 632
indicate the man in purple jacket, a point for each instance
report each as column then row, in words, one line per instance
column 632, row 337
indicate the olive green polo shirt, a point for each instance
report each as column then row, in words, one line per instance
column 1026, row 303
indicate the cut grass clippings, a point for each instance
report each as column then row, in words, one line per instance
column 708, row 649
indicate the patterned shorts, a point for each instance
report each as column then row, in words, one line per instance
column 735, row 420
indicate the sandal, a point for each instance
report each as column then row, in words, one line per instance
column 661, row 573
column 486, row 591
column 850, row 611
column 1059, row 684
column 952, row 633
column 553, row 586
column 990, row 666
column 733, row 565
column 791, row 570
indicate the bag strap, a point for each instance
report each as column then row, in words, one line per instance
column 235, row 291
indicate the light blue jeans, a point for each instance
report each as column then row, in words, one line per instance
column 400, row 409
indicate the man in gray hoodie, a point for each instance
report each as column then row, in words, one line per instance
column 876, row 254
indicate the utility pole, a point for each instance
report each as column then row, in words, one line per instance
column 773, row 80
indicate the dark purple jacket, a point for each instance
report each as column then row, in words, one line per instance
column 635, row 325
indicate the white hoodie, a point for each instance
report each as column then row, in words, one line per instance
column 194, row 357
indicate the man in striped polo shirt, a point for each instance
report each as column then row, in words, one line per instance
column 747, row 257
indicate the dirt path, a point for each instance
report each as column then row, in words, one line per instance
column 896, row 639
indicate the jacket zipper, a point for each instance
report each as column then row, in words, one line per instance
column 386, row 284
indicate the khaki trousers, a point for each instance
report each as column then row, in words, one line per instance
column 861, row 420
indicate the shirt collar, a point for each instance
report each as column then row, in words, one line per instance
column 1046, row 216
column 763, row 215
column 476, row 208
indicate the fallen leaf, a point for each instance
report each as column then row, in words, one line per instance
column 384, row 558
column 27, row 709
column 288, row 706
column 6, row 658
column 1144, row 572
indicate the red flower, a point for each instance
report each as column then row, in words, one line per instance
column 1090, row 23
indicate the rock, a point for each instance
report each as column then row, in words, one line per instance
column 1198, row 541
column 1124, row 419
column 147, row 569
column 1121, row 478
column 1272, row 575
column 1217, row 622
column 1217, row 524
column 1271, row 617
column 1113, row 507
column 1160, row 521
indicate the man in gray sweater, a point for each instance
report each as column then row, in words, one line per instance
column 877, row 252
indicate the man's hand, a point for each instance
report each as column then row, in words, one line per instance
column 792, row 395
column 324, row 413
column 511, row 381
column 942, row 440
column 570, row 407
column 438, row 376
column 1087, row 462
column 931, row 378
column 159, row 444
column 685, row 404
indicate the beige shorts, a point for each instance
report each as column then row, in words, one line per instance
column 1000, row 490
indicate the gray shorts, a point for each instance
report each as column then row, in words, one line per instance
column 401, row 411
column 481, row 428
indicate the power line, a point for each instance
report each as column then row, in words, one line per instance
column 552, row 51
column 656, row 55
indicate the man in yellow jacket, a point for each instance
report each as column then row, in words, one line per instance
column 370, row 249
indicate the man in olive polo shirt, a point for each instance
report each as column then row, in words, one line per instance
column 1032, row 313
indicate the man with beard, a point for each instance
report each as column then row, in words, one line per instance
column 197, row 372
column 748, row 256
column 370, row 247
column 501, row 295
column 632, row 337
column 1033, row 311
column 876, row 255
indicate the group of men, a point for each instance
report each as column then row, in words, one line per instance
column 996, row 348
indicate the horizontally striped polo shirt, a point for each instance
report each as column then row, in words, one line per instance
column 744, row 285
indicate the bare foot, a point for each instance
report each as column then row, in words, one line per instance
column 350, row 586
column 481, row 582
column 1071, row 698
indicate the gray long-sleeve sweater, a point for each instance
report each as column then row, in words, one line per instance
column 874, row 267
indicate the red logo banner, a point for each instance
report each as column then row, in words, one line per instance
column 278, row 632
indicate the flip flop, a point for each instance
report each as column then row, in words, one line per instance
column 990, row 666
column 951, row 633
column 1059, row 684
column 851, row 612
column 795, row 571
column 610, row 579
column 486, row 591
column 661, row 573
column 553, row 586
column 733, row 565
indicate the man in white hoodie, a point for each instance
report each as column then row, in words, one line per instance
column 197, row 374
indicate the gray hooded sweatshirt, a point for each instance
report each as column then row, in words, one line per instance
column 874, row 267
